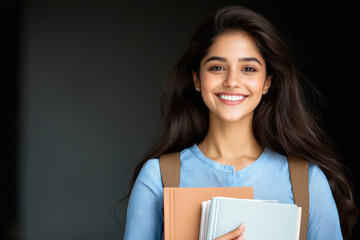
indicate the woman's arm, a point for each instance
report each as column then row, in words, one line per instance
column 144, row 218
column 324, row 220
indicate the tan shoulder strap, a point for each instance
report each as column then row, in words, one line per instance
column 170, row 169
column 300, row 186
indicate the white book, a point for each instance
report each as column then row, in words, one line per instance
column 268, row 220
column 205, row 210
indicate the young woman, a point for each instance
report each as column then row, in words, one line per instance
column 237, row 110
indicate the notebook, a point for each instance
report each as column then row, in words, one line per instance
column 182, row 208
column 268, row 220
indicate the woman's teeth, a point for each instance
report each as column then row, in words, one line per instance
column 231, row 98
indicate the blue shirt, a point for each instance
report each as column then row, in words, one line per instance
column 268, row 175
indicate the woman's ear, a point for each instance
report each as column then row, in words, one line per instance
column 267, row 84
column 196, row 81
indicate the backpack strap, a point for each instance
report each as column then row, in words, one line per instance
column 300, row 186
column 170, row 169
column 170, row 176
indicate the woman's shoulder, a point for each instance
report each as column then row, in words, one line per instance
column 152, row 166
column 273, row 160
column 316, row 175
column 274, row 156
column 150, row 169
column 317, row 178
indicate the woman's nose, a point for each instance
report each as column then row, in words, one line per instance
column 233, row 79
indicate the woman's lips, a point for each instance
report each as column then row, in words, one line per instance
column 231, row 98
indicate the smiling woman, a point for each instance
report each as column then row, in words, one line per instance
column 233, row 73
column 236, row 112
column 232, row 79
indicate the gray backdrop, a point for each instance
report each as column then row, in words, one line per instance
column 90, row 84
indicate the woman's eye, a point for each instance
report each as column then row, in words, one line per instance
column 249, row 69
column 217, row 68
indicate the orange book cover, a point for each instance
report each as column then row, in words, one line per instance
column 182, row 208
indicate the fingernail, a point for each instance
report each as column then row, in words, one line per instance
column 242, row 226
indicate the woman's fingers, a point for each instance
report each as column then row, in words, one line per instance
column 236, row 234
column 241, row 237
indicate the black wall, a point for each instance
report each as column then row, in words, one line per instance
column 83, row 83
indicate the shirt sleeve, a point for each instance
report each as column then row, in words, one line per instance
column 324, row 220
column 144, row 218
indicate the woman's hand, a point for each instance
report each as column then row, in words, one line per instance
column 236, row 234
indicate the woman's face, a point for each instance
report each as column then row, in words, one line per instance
column 232, row 77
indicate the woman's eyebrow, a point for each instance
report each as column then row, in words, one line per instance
column 222, row 59
column 250, row 59
column 216, row 58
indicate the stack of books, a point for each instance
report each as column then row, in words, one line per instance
column 208, row 213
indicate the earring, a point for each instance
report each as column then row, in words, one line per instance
column 197, row 88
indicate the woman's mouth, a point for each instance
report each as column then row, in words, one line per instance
column 231, row 99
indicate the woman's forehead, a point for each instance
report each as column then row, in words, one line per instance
column 233, row 46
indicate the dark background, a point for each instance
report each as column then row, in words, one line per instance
column 81, row 89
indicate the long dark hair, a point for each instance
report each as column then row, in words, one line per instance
column 283, row 121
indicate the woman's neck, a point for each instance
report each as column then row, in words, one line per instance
column 231, row 143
